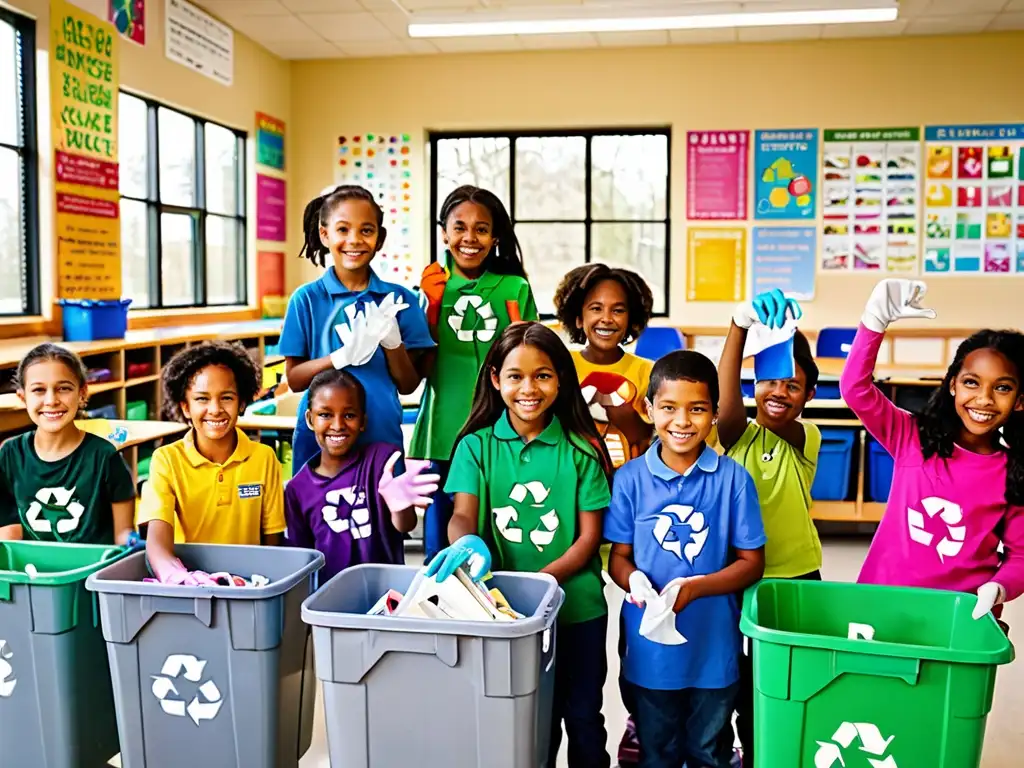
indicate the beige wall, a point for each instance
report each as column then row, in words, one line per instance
column 869, row 83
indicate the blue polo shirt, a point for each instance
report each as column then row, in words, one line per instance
column 678, row 526
column 308, row 333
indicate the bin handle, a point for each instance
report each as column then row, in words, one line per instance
column 907, row 670
column 200, row 607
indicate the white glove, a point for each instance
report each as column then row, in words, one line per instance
column 382, row 321
column 894, row 299
column 357, row 344
column 990, row 594
column 640, row 588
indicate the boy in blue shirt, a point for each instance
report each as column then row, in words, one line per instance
column 687, row 537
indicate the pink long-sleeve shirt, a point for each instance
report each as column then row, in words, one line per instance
column 945, row 517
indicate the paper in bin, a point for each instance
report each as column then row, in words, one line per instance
column 457, row 597
column 772, row 350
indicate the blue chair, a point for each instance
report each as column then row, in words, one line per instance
column 657, row 342
column 835, row 342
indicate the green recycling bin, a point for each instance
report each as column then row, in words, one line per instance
column 860, row 676
column 56, row 701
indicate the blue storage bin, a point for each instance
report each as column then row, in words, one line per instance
column 832, row 479
column 658, row 341
column 88, row 320
column 880, row 467
column 827, row 390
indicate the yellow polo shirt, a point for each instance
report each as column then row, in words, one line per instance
column 230, row 503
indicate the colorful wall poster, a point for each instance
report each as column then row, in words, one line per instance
column 786, row 168
column 271, row 208
column 784, row 258
column 716, row 264
column 716, row 174
column 381, row 162
column 83, row 109
column 974, row 199
column 194, row 39
column 269, row 274
column 129, row 19
column 871, row 183
column 269, row 141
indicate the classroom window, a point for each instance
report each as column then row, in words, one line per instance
column 19, row 214
column 575, row 197
column 182, row 208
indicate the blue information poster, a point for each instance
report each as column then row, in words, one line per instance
column 785, row 258
column 786, row 168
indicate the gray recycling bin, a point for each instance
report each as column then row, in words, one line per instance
column 417, row 692
column 211, row 676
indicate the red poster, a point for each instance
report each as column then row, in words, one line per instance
column 269, row 274
column 716, row 168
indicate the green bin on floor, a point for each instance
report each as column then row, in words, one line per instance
column 56, row 702
column 915, row 696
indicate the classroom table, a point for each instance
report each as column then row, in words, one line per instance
column 138, row 433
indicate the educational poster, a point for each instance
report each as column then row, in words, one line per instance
column 974, row 200
column 269, row 275
column 716, row 174
column 269, row 141
column 871, row 182
column 381, row 162
column 784, row 258
column 716, row 264
column 786, row 174
column 129, row 19
column 271, row 208
column 83, row 108
column 194, row 39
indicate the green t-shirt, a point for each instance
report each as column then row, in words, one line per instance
column 69, row 500
column 530, row 495
column 783, row 484
column 473, row 315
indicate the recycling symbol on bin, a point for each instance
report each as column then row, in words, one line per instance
column 667, row 531
column 206, row 702
column 7, row 678
column 54, row 504
column 872, row 745
column 504, row 517
column 457, row 319
column 950, row 514
column 358, row 523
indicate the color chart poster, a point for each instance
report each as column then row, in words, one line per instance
column 784, row 258
column 870, row 190
column 716, row 174
column 269, row 141
column 129, row 18
column 716, row 264
column 381, row 162
column 974, row 200
column 786, row 168
column 83, row 107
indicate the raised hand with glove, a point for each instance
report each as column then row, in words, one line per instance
column 768, row 308
column 432, row 284
column 470, row 550
column 410, row 489
column 382, row 321
column 895, row 299
column 358, row 344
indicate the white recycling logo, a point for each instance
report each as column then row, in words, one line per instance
column 54, row 499
column 874, row 747
column 204, row 705
column 951, row 514
column 457, row 319
column 669, row 519
column 504, row 517
column 7, row 678
column 358, row 524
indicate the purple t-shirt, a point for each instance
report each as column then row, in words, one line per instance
column 343, row 516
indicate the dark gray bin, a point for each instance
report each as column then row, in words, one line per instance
column 404, row 692
column 167, row 645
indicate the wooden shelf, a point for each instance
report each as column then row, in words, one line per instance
column 142, row 380
column 273, row 360
column 105, row 386
column 847, row 511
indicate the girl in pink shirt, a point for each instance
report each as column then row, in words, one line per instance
column 958, row 480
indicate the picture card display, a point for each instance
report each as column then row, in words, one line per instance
column 786, row 164
column 716, row 167
column 871, row 184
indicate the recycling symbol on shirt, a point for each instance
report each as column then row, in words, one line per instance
column 951, row 514
column 872, row 746
column 667, row 533
column 505, row 517
column 207, row 701
column 54, row 503
column 7, row 678
column 457, row 319
column 358, row 523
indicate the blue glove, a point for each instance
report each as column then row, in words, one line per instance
column 469, row 550
column 771, row 307
column 135, row 542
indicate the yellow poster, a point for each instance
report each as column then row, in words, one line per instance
column 83, row 107
column 716, row 264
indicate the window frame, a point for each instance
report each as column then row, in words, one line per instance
column 27, row 149
column 588, row 134
column 198, row 211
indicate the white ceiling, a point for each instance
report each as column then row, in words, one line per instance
column 320, row 29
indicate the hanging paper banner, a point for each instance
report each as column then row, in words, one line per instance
column 784, row 258
column 129, row 18
column 716, row 168
column 716, row 264
column 269, row 141
column 786, row 164
column 196, row 40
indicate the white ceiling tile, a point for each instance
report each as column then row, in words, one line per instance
column 1007, row 21
column 881, row 29
column 702, row 36
column 629, row 39
column 447, row 6
column 233, row 8
column 950, row 25
column 275, row 29
column 772, row 34
column 421, row 46
column 910, row 9
column 344, row 27
column 323, row 6
column 477, row 44
column 365, row 50
column 542, row 42
column 963, row 7
column 312, row 50
column 396, row 21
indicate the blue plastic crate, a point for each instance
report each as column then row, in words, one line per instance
column 880, row 466
column 827, row 390
column 832, row 479
column 88, row 320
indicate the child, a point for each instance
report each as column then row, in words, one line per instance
column 686, row 537
column 528, row 477
column 471, row 298
column 604, row 308
column 213, row 486
column 350, row 318
column 958, row 484
column 57, row 482
column 347, row 503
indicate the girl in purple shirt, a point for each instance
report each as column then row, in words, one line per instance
column 347, row 502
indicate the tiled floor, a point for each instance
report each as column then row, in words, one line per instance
column 1004, row 742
